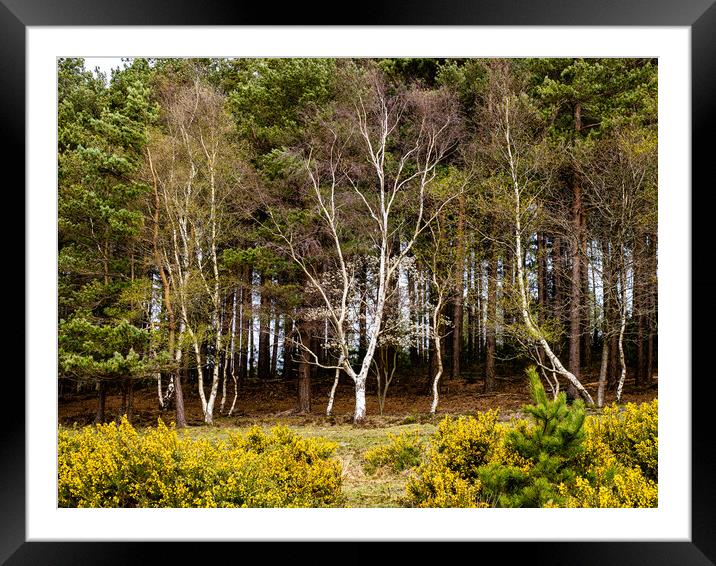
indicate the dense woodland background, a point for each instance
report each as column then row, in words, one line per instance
column 229, row 225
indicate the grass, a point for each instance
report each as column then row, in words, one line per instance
column 383, row 489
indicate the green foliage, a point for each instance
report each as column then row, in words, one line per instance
column 611, row 92
column 403, row 452
column 115, row 466
column 551, row 445
column 449, row 476
column 560, row 459
column 411, row 69
column 268, row 97
column 261, row 258
column 102, row 351
column 101, row 135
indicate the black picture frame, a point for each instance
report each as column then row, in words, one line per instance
column 699, row 15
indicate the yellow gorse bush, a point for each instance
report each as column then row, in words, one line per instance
column 617, row 468
column 115, row 466
column 458, row 448
column 631, row 434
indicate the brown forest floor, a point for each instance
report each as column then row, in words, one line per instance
column 275, row 401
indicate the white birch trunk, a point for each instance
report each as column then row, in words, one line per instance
column 236, row 393
column 438, row 345
column 215, row 377
column 438, row 375
column 622, row 326
column 359, row 414
column 224, row 376
column 532, row 328
column 209, row 413
column 229, row 357
column 332, row 394
column 160, row 394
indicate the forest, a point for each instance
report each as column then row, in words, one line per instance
column 370, row 243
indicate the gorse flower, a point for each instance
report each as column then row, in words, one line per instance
column 560, row 459
column 115, row 466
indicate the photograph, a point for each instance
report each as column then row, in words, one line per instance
column 357, row 282
column 413, row 279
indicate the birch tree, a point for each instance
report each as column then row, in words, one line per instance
column 440, row 261
column 399, row 140
column 516, row 144
column 195, row 175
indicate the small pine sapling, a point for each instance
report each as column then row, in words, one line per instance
column 551, row 445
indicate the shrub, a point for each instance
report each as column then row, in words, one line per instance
column 613, row 485
column 551, row 445
column 618, row 467
column 458, row 450
column 632, row 435
column 560, row 459
column 436, row 485
column 403, row 452
column 115, row 466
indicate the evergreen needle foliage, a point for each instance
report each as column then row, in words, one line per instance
column 552, row 444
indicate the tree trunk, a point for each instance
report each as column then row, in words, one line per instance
column 438, row 354
column 478, row 311
column 250, row 347
column 304, row 383
column 612, row 379
column 363, row 310
column 623, row 311
column 638, row 309
column 576, row 282
column 101, row 402
column 471, row 308
column 585, row 303
column 179, row 400
column 126, row 407
column 459, row 288
column 432, row 363
column 160, row 392
column 533, row 330
column 603, row 373
column 246, row 325
column 541, row 277
column 168, row 305
column 604, row 368
column 264, row 363
column 491, row 339
column 228, row 368
column 653, row 307
column 557, row 281
column 640, row 373
column 575, row 312
column 359, row 414
column 209, row 416
column 622, row 375
column 288, row 369
column 332, row 394
column 412, row 316
column 274, row 348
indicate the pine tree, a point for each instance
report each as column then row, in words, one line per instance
column 550, row 444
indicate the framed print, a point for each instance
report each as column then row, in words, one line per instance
column 681, row 35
